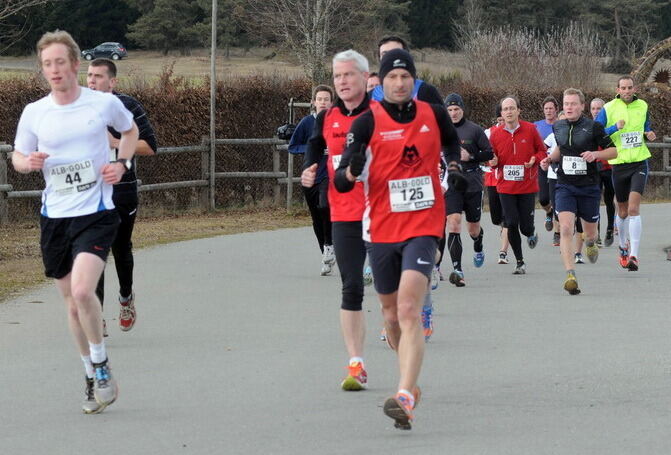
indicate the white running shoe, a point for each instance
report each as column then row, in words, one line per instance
column 326, row 269
column 329, row 255
column 435, row 278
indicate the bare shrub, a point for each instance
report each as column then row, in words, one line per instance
column 512, row 58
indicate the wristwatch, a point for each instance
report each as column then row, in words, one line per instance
column 127, row 163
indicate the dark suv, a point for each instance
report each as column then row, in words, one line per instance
column 115, row 51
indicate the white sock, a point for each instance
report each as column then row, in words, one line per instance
column 98, row 354
column 622, row 229
column 635, row 228
column 88, row 366
column 355, row 360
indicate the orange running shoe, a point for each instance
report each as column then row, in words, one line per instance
column 624, row 257
column 357, row 379
column 400, row 408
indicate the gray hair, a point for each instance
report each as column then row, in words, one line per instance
column 598, row 100
column 350, row 55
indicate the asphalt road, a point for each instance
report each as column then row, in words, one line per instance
column 237, row 350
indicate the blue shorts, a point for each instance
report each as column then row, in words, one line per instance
column 581, row 200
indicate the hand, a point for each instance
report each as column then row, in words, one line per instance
column 545, row 163
column 494, row 161
column 308, row 176
column 620, row 124
column 112, row 172
column 590, row 157
column 650, row 135
column 455, row 179
column 465, row 156
column 358, row 161
column 530, row 163
column 36, row 160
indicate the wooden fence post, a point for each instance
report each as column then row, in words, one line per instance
column 277, row 189
column 205, row 173
column 290, row 177
column 666, row 166
column 4, row 205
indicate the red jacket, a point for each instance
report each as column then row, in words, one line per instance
column 513, row 150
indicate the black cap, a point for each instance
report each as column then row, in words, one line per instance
column 397, row 58
column 454, row 99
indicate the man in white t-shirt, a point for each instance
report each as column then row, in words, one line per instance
column 64, row 135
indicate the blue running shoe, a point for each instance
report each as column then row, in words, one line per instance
column 479, row 259
column 532, row 241
column 367, row 276
column 427, row 322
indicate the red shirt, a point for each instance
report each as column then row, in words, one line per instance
column 513, row 150
column 490, row 173
column 403, row 195
column 343, row 206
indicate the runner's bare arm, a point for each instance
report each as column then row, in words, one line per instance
column 28, row 163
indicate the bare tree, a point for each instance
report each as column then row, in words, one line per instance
column 10, row 32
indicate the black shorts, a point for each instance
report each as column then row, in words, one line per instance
column 468, row 202
column 389, row 260
column 629, row 177
column 62, row 239
column 583, row 201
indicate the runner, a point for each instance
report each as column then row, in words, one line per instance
column 350, row 71
column 475, row 149
column 316, row 196
column 101, row 76
column 544, row 127
column 606, row 178
column 64, row 135
column 627, row 121
column 372, row 82
column 577, row 192
column 495, row 209
column 395, row 149
column 519, row 150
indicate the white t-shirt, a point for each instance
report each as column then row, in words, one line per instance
column 551, row 144
column 75, row 138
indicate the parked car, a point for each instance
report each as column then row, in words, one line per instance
column 115, row 51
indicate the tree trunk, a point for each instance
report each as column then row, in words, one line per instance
column 618, row 35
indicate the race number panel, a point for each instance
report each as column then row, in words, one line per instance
column 73, row 178
column 513, row 172
column 574, row 165
column 335, row 159
column 408, row 195
column 631, row 140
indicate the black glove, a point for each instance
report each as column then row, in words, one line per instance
column 456, row 179
column 358, row 161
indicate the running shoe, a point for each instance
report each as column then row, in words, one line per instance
column 427, row 322
column 608, row 240
column 105, row 388
column 357, row 379
column 532, row 240
column 367, row 276
column 105, row 329
column 328, row 257
column 399, row 408
column 599, row 243
column 579, row 259
column 592, row 252
column 624, row 257
column 383, row 334
column 632, row 264
column 571, row 284
column 326, row 269
column 556, row 237
column 127, row 313
column 503, row 257
column 90, row 405
column 548, row 221
column 478, row 258
column 435, row 278
column 457, row 278
column 520, row 268
column 440, row 274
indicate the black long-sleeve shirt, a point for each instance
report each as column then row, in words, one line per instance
column 363, row 127
column 474, row 140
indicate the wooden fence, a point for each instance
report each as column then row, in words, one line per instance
column 280, row 177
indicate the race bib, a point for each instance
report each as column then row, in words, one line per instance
column 408, row 195
column 335, row 159
column 631, row 140
column 513, row 172
column 73, row 178
column 574, row 165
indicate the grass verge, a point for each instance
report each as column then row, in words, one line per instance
column 21, row 263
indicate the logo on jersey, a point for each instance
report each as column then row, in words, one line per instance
column 399, row 64
column 350, row 138
column 339, row 135
column 410, row 156
column 335, row 125
column 424, row 129
column 391, row 135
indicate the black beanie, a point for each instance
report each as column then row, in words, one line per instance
column 498, row 110
column 397, row 58
column 454, row 99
